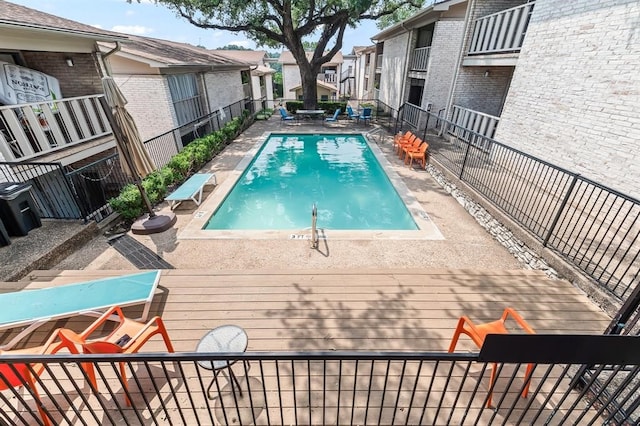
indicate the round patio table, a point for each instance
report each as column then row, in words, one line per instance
column 223, row 339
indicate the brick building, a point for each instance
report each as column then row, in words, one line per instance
column 169, row 84
column 558, row 80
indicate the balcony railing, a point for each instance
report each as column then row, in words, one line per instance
column 328, row 77
column 326, row 388
column 501, row 32
column 465, row 119
column 420, row 58
column 413, row 114
column 33, row 129
column 348, row 73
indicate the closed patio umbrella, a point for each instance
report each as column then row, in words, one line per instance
column 134, row 158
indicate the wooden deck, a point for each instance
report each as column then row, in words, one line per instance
column 350, row 310
column 376, row 310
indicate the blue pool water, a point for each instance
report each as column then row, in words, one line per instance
column 339, row 173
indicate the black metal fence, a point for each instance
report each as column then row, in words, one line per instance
column 65, row 192
column 52, row 192
column 340, row 387
column 594, row 227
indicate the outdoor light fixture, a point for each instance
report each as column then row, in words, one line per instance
column 69, row 62
column 486, row 73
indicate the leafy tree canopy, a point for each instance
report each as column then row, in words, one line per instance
column 276, row 23
column 234, row 47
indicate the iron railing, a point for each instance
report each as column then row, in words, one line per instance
column 593, row 227
column 52, row 191
column 501, row 32
column 343, row 387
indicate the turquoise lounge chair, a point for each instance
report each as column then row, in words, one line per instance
column 284, row 115
column 335, row 116
column 189, row 189
column 351, row 113
column 32, row 308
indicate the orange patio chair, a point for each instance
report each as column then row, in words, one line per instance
column 419, row 155
column 414, row 146
column 478, row 332
column 20, row 374
column 399, row 141
column 401, row 136
column 127, row 337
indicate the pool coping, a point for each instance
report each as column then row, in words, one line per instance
column 193, row 230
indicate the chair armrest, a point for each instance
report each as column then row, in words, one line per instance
column 155, row 321
column 516, row 316
column 102, row 319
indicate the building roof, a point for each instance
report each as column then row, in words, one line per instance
column 164, row 53
column 319, row 83
column 16, row 16
column 262, row 70
column 286, row 57
column 360, row 49
column 416, row 19
column 255, row 57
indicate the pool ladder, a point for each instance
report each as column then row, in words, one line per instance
column 314, row 230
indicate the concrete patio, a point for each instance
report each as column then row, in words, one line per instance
column 465, row 245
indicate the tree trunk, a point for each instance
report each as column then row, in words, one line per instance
column 309, row 78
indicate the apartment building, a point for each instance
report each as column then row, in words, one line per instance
column 558, row 80
column 327, row 80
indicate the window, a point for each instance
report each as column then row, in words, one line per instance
column 415, row 91
column 425, row 36
column 245, row 77
column 186, row 97
column 324, row 97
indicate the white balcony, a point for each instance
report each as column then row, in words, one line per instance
column 328, row 77
column 38, row 128
column 420, row 59
column 501, row 32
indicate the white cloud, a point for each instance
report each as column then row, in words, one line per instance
column 132, row 29
column 129, row 13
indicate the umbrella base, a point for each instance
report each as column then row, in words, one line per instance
column 154, row 225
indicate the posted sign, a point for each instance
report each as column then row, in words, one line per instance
column 20, row 85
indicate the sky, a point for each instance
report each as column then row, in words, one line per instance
column 148, row 19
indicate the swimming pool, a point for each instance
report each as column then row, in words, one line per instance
column 292, row 172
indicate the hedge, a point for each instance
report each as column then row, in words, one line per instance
column 328, row 106
column 182, row 165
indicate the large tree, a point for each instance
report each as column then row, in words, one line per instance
column 290, row 23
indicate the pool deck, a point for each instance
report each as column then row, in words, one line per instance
column 465, row 244
column 347, row 294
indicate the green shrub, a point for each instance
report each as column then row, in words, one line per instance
column 128, row 203
column 195, row 155
column 328, row 106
